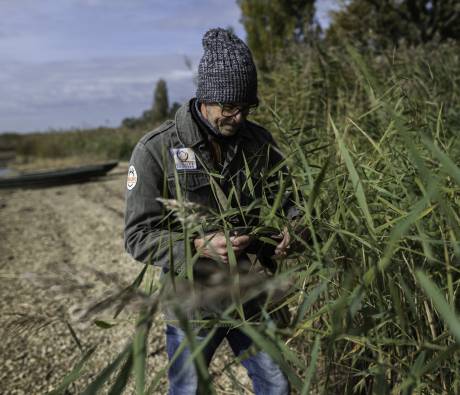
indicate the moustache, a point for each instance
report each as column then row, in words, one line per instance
column 228, row 122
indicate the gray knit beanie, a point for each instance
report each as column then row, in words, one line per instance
column 227, row 73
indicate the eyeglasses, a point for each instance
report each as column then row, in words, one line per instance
column 230, row 110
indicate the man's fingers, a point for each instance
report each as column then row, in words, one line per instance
column 283, row 245
column 216, row 241
column 286, row 239
column 240, row 240
column 216, row 245
column 281, row 248
column 280, row 252
column 222, row 251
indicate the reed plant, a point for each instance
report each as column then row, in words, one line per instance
column 372, row 145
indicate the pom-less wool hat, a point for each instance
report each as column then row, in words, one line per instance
column 227, row 73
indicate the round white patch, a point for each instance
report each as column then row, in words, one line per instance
column 132, row 178
column 182, row 155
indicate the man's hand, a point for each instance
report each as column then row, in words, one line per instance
column 214, row 246
column 283, row 246
column 296, row 245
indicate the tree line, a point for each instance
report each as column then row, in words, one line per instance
column 371, row 25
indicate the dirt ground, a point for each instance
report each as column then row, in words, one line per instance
column 65, row 235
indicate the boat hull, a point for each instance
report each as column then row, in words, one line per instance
column 57, row 177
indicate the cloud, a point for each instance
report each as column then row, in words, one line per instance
column 72, row 29
column 71, row 62
column 110, row 88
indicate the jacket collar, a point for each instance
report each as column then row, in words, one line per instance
column 188, row 131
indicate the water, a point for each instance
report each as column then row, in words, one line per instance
column 4, row 171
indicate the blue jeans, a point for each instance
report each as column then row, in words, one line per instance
column 267, row 378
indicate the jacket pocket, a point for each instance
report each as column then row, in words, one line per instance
column 193, row 186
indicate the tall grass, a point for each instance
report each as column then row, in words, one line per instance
column 372, row 144
column 388, row 207
column 91, row 144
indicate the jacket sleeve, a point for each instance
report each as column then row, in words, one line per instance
column 148, row 237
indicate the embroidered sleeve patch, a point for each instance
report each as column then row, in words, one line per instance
column 132, row 178
column 184, row 158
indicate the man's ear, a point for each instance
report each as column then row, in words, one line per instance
column 204, row 110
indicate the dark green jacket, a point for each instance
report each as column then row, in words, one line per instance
column 156, row 169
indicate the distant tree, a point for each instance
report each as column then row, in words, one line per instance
column 172, row 111
column 159, row 112
column 142, row 122
column 130, row 122
column 160, row 106
column 384, row 23
column 271, row 25
column 147, row 117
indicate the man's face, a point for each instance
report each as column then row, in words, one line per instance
column 226, row 125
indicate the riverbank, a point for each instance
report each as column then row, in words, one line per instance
column 57, row 244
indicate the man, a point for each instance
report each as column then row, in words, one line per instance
column 204, row 157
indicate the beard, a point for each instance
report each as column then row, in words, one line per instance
column 228, row 127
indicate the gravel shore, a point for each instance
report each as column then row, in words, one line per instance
column 54, row 242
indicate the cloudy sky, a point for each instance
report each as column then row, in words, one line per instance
column 82, row 63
